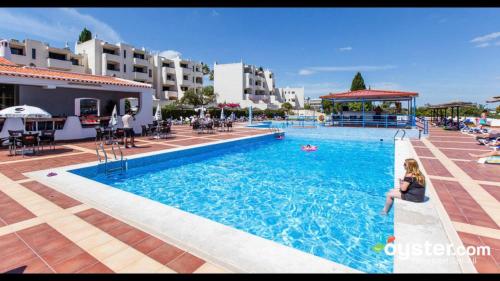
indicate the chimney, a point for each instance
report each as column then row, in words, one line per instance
column 5, row 49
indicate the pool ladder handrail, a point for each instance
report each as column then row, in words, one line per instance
column 397, row 132
column 123, row 161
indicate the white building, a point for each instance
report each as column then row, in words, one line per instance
column 249, row 85
column 37, row 54
column 314, row 103
column 77, row 102
column 294, row 96
column 172, row 77
column 245, row 84
column 117, row 60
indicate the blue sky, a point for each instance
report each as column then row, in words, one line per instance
column 444, row 54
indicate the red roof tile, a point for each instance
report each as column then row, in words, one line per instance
column 372, row 94
column 8, row 68
column 4, row 61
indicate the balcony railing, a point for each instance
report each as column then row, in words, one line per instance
column 140, row 61
column 110, row 57
column 170, row 95
column 59, row 64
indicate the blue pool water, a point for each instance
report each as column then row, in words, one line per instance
column 326, row 202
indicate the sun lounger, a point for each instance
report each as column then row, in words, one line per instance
column 489, row 160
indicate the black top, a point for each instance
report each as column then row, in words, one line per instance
column 415, row 191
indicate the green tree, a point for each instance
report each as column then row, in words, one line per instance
column 498, row 109
column 211, row 75
column 286, row 106
column 358, row 83
column 127, row 105
column 307, row 106
column 85, row 35
column 327, row 106
column 205, row 69
column 198, row 98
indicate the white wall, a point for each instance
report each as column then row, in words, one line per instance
column 228, row 82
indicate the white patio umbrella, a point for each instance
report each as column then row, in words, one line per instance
column 157, row 116
column 114, row 118
column 222, row 114
column 25, row 112
column 201, row 109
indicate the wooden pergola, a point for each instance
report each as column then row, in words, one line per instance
column 440, row 111
column 494, row 99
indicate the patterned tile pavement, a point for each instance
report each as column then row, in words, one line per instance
column 469, row 191
column 45, row 231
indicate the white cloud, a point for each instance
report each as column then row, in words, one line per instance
column 215, row 13
column 306, row 72
column 483, row 45
column 486, row 37
column 348, row 48
column 61, row 25
column 103, row 30
column 315, row 69
column 170, row 54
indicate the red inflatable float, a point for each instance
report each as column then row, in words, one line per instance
column 309, row 148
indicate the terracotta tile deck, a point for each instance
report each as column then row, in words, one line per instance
column 464, row 208
column 32, row 245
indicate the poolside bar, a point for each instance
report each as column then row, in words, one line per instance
column 374, row 118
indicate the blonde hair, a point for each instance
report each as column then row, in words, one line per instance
column 411, row 167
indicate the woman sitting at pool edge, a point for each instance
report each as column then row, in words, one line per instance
column 411, row 188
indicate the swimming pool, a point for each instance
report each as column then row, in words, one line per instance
column 325, row 203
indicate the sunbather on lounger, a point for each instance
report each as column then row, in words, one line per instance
column 487, row 154
column 491, row 135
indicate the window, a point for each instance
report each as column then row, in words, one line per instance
column 166, row 88
column 74, row 61
column 33, row 53
column 184, row 88
column 186, row 78
column 111, row 66
column 169, row 77
column 8, row 95
column 124, row 68
column 139, row 56
column 139, row 69
column 108, row 51
column 150, row 73
column 183, row 65
column 124, row 54
column 17, row 51
column 57, row 56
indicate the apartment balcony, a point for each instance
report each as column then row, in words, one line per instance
column 77, row 68
column 109, row 72
column 169, row 95
column 141, row 76
column 59, row 64
column 109, row 57
column 142, row 62
column 186, row 83
column 168, row 70
column 168, row 82
column 186, row 70
column 24, row 60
